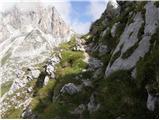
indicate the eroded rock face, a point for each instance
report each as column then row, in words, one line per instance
column 26, row 40
column 130, row 37
column 112, row 8
column 94, row 63
column 113, row 30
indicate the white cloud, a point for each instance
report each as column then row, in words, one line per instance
column 96, row 8
column 63, row 7
column 80, row 27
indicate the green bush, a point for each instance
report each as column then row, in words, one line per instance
column 120, row 98
column 129, row 51
column 5, row 87
column 13, row 113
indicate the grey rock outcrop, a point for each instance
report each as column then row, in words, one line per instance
column 152, row 102
column 130, row 37
column 92, row 106
column 79, row 110
column 70, row 89
column 113, row 30
column 46, row 79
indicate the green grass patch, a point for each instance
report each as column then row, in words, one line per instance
column 120, row 98
column 5, row 87
column 5, row 58
column 13, row 113
column 130, row 51
column 115, row 56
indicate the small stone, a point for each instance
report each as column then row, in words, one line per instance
column 69, row 88
column 46, row 79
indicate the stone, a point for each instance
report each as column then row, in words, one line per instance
column 54, row 60
column 49, row 69
column 93, row 105
column 28, row 114
column 35, row 73
column 94, row 63
column 29, row 90
column 29, row 77
column 113, row 30
column 152, row 101
column 97, row 73
column 103, row 49
column 46, row 79
column 129, row 38
column 87, row 83
column 113, row 9
column 79, row 109
column 52, row 76
column 70, row 89
column 133, row 73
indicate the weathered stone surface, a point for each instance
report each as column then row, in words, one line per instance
column 79, row 109
column 69, row 88
column 113, row 8
column 152, row 102
column 103, row 49
column 113, row 30
column 93, row 105
column 49, row 69
column 130, row 37
column 94, row 63
column 46, row 79
column 28, row 114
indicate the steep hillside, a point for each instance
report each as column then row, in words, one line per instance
column 27, row 38
column 111, row 72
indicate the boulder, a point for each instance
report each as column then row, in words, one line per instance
column 28, row 114
column 29, row 90
column 93, row 105
column 69, row 88
column 94, row 63
column 54, row 60
column 97, row 73
column 79, row 109
column 49, row 69
column 87, row 83
column 113, row 30
column 46, row 79
column 103, row 49
column 152, row 101
column 35, row 73
column 113, row 9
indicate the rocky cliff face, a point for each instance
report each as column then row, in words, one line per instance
column 125, row 38
column 111, row 72
column 27, row 38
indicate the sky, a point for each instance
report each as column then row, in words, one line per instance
column 79, row 14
